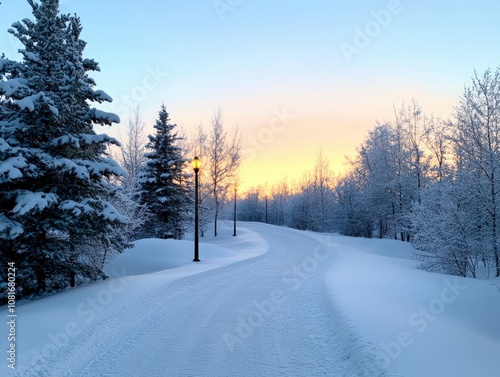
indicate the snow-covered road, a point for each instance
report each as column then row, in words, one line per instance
column 265, row 316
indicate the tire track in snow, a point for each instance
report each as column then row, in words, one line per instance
column 179, row 329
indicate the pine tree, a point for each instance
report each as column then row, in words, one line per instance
column 54, row 174
column 165, row 189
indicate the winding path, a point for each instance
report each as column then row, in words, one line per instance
column 265, row 316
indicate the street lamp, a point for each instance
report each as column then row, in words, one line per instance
column 196, row 167
column 266, row 210
column 235, row 191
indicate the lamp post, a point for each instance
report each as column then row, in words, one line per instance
column 196, row 167
column 235, row 191
column 266, row 210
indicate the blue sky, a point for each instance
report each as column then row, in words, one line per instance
column 256, row 58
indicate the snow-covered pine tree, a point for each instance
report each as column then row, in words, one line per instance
column 54, row 173
column 165, row 189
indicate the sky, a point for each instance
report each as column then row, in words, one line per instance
column 294, row 76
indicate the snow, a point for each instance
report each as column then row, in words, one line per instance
column 272, row 301
column 105, row 165
column 30, row 201
column 48, row 325
column 10, row 167
column 106, row 116
column 66, row 164
column 13, row 229
column 30, row 55
column 75, row 207
column 102, row 96
column 28, row 102
column 54, row 110
column 110, row 213
column 426, row 324
column 10, row 87
column 97, row 139
column 66, row 139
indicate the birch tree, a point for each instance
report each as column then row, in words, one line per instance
column 224, row 158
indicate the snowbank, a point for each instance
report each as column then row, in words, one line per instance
column 423, row 324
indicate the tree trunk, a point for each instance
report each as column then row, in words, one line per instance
column 494, row 226
column 215, row 220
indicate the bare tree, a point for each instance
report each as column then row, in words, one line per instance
column 323, row 178
column 133, row 150
column 415, row 128
column 132, row 159
column 437, row 142
column 223, row 162
column 280, row 194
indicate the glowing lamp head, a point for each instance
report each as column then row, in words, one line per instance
column 196, row 164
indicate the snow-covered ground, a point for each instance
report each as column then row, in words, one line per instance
column 426, row 324
column 271, row 302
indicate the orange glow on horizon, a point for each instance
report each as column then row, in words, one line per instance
column 289, row 155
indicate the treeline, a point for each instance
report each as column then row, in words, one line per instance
column 417, row 178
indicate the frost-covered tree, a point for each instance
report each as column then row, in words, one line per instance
column 321, row 188
column 251, row 206
column 438, row 143
column 280, row 194
column 446, row 223
column 224, row 159
column 391, row 168
column 133, row 151
column 457, row 222
column 378, row 172
column 132, row 158
column 301, row 215
column 352, row 217
column 54, row 173
column 126, row 201
column 477, row 143
column 165, row 190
